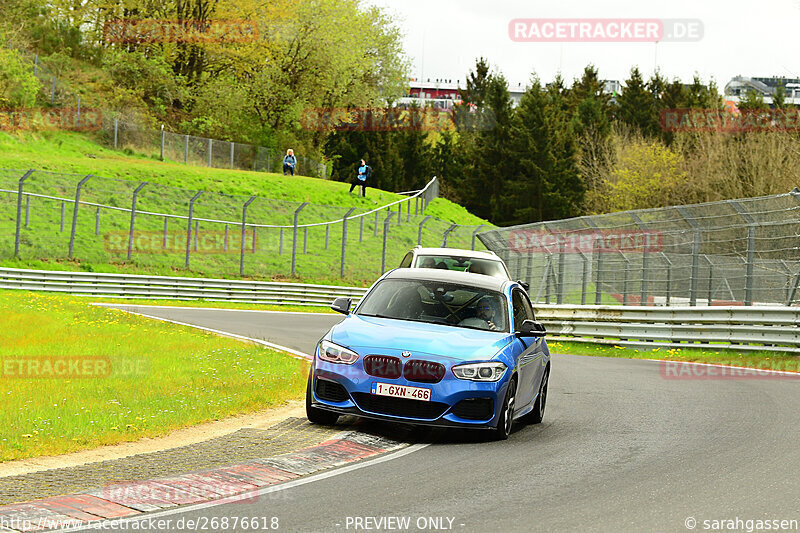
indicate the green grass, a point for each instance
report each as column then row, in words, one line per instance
column 215, row 305
column 751, row 359
column 45, row 245
column 163, row 376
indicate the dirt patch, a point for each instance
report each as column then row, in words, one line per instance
column 180, row 437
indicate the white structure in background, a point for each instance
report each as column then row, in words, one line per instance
column 443, row 93
column 736, row 89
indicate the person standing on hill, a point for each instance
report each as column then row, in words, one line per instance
column 364, row 172
column 289, row 162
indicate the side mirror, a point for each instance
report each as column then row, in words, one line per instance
column 525, row 285
column 531, row 328
column 342, row 305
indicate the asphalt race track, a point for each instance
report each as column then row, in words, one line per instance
column 621, row 449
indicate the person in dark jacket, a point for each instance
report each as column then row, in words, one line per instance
column 364, row 172
column 289, row 162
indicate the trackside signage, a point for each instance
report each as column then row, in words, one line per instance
column 585, row 241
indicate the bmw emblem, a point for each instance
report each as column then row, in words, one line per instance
column 406, row 354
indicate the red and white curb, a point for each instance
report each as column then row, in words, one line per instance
column 237, row 483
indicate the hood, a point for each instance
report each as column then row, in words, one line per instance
column 389, row 335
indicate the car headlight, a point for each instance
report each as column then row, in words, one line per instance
column 333, row 353
column 480, row 371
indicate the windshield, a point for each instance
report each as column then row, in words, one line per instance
column 475, row 265
column 437, row 303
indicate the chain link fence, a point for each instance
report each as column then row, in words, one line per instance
column 191, row 150
column 734, row 252
column 171, row 231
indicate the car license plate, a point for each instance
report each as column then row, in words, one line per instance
column 401, row 391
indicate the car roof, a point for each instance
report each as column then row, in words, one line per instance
column 449, row 276
column 457, row 252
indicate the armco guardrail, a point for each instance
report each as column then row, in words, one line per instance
column 173, row 288
column 743, row 328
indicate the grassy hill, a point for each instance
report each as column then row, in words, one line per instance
column 44, row 243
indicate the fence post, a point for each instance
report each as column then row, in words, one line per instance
column 399, row 213
column 419, row 232
column 416, row 208
column 385, row 235
column 189, row 227
column 164, row 241
column 375, row 228
column 344, row 239
column 244, row 233
column 225, row 245
column 645, row 241
column 560, row 294
column 162, row 142
column 280, row 243
column 710, row 277
column 584, row 277
column 19, row 211
column 625, row 279
column 210, row 141
column 185, row 149
column 474, row 233
column 233, row 145
column 116, row 132
column 668, row 287
column 133, row 218
column 695, row 253
column 294, row 235
column 446, row 234
column 75, row 214
column 360, row 229
column 751, row 250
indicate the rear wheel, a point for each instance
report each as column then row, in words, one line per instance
column 316, row 415
column 505, row 421
column 536, row 416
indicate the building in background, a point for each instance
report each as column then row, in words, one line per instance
column 739, row 86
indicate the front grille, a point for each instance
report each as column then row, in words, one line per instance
column 423, row 371
column 399, row 406
column 330, row 391
column 475, row 409
column 383, row 366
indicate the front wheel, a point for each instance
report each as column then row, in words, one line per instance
column 537, row 414
column 506, row 419
column 315, row 415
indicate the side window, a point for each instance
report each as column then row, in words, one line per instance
column 406, row 262
column 521, row 307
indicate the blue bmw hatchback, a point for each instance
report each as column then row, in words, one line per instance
column 434, row 347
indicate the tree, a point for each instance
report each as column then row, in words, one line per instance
column 636, row 105
column 477, row 84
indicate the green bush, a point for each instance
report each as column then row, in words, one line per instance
column 18, row 85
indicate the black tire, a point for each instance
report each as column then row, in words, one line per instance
column 536, row 416
column 504, row 423
column 315, row 415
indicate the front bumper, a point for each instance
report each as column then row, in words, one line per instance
column 443, row 410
